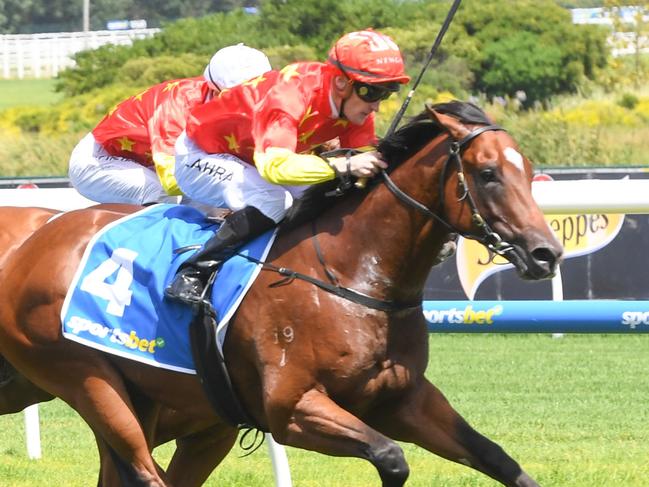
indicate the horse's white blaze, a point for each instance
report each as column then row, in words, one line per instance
column 513, row 156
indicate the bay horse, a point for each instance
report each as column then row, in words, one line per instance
column 196, row 450
column 16, row 225
column 338, row 373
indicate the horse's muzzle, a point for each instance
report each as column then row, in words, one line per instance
column 537, row 262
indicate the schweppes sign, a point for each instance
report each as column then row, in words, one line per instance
column 579, row 235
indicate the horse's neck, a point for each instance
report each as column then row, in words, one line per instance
column 386, row 248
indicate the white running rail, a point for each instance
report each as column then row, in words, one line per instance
column 44, row 55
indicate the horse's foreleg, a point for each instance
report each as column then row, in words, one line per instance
column 198, row 454
column 200, row 446
column 318, row 424
column 427, row 419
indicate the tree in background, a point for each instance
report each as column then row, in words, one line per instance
column 580, row 3
column 631, row 29
column 317, row 23
column 32, row 16
column 532, row 46
column 12, row 13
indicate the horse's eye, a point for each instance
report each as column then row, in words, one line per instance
column 488, row 175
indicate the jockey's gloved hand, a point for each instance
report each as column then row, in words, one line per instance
column 363, row 165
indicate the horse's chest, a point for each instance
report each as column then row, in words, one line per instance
column 392, row 377
column 370, row 378
column 369, row 364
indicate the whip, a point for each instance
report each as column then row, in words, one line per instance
column 399, row 115
column 447, row 22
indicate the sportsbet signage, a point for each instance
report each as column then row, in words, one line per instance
column 578, row 316
column 579, row 234
column 605, row 259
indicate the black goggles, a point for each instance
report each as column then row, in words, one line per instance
column 373, row 93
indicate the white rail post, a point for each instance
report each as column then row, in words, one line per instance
column 278, row 457
column 557, row 293
column 20, row 59
column 36, row 54
column 5, row 56
column 33, row 432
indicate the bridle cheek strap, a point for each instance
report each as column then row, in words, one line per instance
column 487, row 236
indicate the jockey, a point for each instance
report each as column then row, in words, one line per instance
column 249, row 148
column 129, row 155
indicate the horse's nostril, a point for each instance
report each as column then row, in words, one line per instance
column 544, row 254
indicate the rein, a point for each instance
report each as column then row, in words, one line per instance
column 489, row 238
column 334, row 287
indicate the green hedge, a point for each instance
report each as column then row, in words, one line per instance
column 531, row 45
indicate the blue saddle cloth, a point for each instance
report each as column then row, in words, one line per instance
column 116, row 302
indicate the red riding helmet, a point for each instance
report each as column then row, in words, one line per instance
column 369, row 57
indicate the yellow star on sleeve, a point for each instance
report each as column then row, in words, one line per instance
column 233, row 144
column 307, row 116
column 255, row 81
column 289, row 72
column 305, row 136
column 126, row 144
column 171, row 85
column 341, row 122
column 138, row 97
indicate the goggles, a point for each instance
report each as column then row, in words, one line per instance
column 373, row 93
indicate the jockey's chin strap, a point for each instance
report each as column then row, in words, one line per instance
column 487, row 236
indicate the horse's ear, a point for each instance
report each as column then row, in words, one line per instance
column 448, row 123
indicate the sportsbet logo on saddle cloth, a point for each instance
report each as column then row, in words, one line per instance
column 116, row 303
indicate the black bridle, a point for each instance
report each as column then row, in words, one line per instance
column 487, row 236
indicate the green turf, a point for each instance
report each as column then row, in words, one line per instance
column 573, row 411
column 27, row 92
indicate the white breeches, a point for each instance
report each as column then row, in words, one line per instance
column 104, row 178
column 225, row 180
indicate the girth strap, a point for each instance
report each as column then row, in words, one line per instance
column 212, row 371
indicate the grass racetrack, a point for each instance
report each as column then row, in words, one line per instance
column 573, row 411
column 27, row 92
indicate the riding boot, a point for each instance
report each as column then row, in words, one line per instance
column 238, row 228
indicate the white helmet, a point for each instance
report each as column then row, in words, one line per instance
column 233, row 65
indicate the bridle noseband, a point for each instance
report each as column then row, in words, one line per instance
column 488, row 237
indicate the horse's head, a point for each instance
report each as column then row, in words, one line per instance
column 482, row 184
column 486, row 187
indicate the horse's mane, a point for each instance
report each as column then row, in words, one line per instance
column 395, row 148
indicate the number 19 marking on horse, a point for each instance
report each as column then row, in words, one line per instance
column 118, row 293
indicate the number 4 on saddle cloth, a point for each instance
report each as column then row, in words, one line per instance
column 116, row 302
